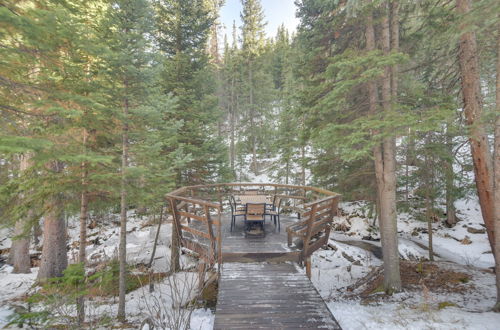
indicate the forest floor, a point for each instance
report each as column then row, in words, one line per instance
column 456, row 291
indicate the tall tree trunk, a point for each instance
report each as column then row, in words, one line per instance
column 451, row 215
column 232, row 114
column 176, row 244
column 303, row 165
column 394, row 48
column 54, row 256
column 287, row 173
column 37, row 233
column 123, row 213
column 20, row 249
column 429, row 201
column 497, row 179
column 387, row 181
column 84, row 201
column 253, row 166
column 471, row 92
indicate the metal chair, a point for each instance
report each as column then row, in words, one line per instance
column 255, row 213
column 274, row 212
column 235, row 212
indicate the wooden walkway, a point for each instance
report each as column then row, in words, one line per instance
column 269, row 296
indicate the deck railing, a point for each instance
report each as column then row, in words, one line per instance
column 204, row 204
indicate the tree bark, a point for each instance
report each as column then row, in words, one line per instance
column 252, row 116
column 20, row 249
column 386, row 181
column 123, row 213
column 84, row 202
column 471, row 93
column 451, row 215
column 176, row 244
column 54, row 255
column 394, row 48
column 497, row 179
column 232, row 114
column 156, row 238
column 429, row 201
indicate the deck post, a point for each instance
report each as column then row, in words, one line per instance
column 219, row 240
column 176, row 238
column 307, row 236
column 201, row 275
column 308, row 267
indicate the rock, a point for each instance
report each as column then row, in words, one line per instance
column 332, row 247
column 466, row 240
column 347, row 257
column 473, row 230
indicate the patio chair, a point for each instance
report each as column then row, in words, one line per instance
column 235, row 211
column 274, row 212
column 236, row 206
column 255, row 213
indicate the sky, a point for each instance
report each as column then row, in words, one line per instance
column 276, row 12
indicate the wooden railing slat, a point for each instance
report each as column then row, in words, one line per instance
column 191, row 216
column 195, row 231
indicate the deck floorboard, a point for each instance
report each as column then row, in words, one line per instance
column 269, row 296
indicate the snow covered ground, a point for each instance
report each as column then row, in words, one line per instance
column 104, row 246
column 459, row 249
column 335, row 270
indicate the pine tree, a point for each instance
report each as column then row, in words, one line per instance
column 252, row 32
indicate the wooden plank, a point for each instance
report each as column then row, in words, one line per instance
column 336, row 196
column 315, row 246
column 194, row 201
column 269, row 296
column 318, row 209
column 195, row 231
column 191, row 215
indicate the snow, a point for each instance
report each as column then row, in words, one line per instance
column 349, row 257
column 388, row 316
column 171, row 291
column 333, row 274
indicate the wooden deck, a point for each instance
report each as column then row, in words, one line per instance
column 271, row 248
column 269, row 296
column 260, row 283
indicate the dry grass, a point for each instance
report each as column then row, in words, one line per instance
column 415, row 275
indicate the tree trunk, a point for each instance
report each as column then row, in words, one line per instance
column 394, row 48
column 232, row 153
column 123, row 214
column 429, row 204
column 156, row 238
column 471, row 92
column 303, row 165
column 497, row 179
column 54, row 255
column 176, row 245
column 84, row 201
column 253, row 166
column 451, row 215
column 20, row 249
column 287, row 171
column 387, row 182
column 37, row 233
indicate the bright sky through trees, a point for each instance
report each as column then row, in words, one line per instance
column 276, row 12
